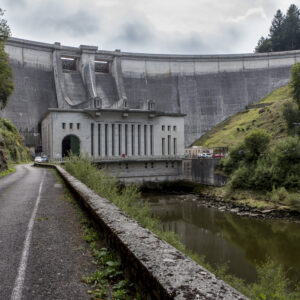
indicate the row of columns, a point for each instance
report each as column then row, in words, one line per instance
column 115, row 139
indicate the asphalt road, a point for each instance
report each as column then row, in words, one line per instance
column 42, row 252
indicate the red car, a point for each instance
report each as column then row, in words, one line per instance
column 218, row 155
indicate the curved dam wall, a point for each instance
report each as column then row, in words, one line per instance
column 207, row 88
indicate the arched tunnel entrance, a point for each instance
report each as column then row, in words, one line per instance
column 70, row 143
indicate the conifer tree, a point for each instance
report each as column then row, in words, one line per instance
column 284, row 32
column 276, row 31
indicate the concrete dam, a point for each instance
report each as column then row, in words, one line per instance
column 206, row 88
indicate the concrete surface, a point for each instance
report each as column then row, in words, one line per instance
column 55, row 263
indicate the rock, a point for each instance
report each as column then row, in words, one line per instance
column 267, row 211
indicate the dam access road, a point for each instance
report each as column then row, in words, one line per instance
column 41, row 242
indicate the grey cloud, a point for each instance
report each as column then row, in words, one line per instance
column 77, row 24
column 134, row 32
column 14, row 4
column 57, row 18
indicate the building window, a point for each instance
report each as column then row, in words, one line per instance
column 167, row 165
column 120, row 139
column 174, row 128
column 132, row 140
column 63, row 125
column 172, row 164
column 169, row 128
column 169, row 145
column 152, row 165
column 163, row 127
column 92, row 139
column 163, row 142
column 139, row 139
column 112, row 139
column 106, row 139
column 126, row 165
column 151, row 139
column 146, row 165
column 78, row 126
column 99, row 139
column 126, row 139
column 145, row 139
column 71, row 125
column 174, row 146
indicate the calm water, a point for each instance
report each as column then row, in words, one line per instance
column 226, row 238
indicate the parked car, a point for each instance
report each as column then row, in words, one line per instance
column 38, row 159
column 206, row 155
column 218, row 155
column 45, row 158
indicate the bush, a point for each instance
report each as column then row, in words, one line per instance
column 291, row 115
column 285, row 159
column 262, row 178
column 233, row 160
column 241, row 178
column 295, row 82
column 256, row 143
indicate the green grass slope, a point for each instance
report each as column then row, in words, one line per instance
column 233, row 130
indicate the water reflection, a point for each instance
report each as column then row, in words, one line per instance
column 223, row 237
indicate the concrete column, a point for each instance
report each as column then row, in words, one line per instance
column 135, row 140
column 102, row 141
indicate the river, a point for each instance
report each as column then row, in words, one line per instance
column 223, row 237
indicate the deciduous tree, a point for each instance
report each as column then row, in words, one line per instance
column 6, row 78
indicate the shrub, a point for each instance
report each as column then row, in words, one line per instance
column 256, row 143
column 291, row 115
column 241, row 178
column 285, row 158
column 262, row 178
column 295, row 82
column 233, row 160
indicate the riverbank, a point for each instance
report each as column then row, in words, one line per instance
column 244, row 204
column 240, row 202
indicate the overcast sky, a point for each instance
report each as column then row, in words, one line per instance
column 150, row 26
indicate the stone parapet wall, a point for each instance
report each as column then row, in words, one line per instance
column 165, row 272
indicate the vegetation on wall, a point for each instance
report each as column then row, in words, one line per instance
column 284, row 32
column 6, row 77
column 12, row 143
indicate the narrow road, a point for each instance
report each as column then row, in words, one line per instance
column 42, row 252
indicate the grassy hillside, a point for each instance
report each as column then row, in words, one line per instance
column 233, row 130
column 11, row 145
